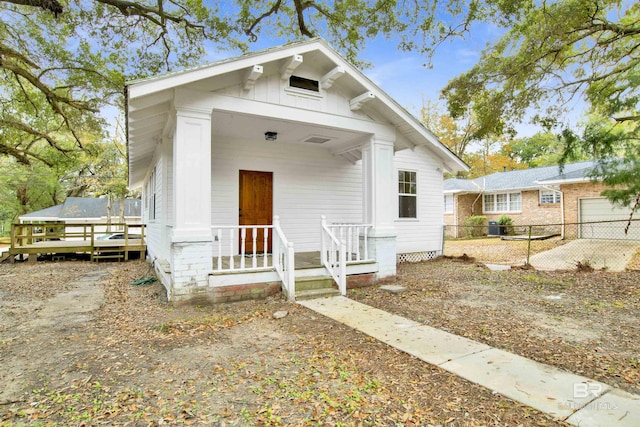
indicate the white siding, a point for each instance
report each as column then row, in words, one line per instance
column 424, row 233
column 307, row 182
column 272, row 89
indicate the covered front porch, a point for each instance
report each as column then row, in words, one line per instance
column 264, row 255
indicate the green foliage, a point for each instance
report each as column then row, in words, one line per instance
column 506, row 224
column 475, row 225
column 551, row 55
column 617, row 146
column 504, row 220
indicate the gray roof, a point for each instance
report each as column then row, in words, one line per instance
column 87, row 207
column 519, row 179
column 457, row 185
column 576, row 175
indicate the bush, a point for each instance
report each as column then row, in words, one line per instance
column 506, row 225
column 475, row 225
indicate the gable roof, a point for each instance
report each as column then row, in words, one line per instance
column 522, row 179
column 150, row 101
column 86, row 207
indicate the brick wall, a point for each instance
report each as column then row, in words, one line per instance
column 574, row 192
column 532, row 212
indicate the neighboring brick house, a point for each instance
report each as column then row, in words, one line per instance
column 538, row 196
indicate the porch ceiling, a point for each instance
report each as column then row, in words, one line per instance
column 243, row 126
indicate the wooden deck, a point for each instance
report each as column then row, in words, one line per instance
column 59, row 239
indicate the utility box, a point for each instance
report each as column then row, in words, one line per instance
column 494, row 228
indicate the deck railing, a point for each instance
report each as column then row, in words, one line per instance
column 333, row 254
column 100, row 240
column 27, row 234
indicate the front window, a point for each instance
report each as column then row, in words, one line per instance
column 407, row 194
column 549, row 197
column 502, row 202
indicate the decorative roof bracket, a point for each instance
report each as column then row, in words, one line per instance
column 289, row 67
column 357, row 102
column 252, row 76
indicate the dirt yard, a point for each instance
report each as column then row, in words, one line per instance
column 102, row 352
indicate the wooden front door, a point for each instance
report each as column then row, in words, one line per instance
column 256, row 206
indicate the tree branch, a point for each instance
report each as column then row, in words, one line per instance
column 52, row 6
column 249, row 31
column 28, row 129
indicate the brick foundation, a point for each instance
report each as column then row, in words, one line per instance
column 258, row 291
column 233, row 293
column 356, row 281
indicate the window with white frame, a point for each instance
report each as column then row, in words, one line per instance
column 151, row 196
column 448, row 203
column 407, row 194
column 548, row 197
column 502, row 202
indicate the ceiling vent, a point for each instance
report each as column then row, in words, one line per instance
column 317, row 139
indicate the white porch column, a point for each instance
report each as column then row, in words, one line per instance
column 191, row 237
column 380, row 189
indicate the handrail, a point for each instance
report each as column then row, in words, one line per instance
column 284, row 260
column 334, row 257
column 355, row 237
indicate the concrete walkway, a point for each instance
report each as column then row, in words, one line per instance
column 577, row 400
column 613, row 255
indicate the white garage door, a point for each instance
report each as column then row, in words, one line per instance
column 601, row 209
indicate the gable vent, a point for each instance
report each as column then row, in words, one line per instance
column 302, row 83
column 317, row 139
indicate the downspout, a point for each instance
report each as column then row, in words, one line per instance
column 484, row 184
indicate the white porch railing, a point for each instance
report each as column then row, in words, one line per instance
column 284, row 260
column 355, row 237
column 333, row 254
column 230, row 237
column 343, row 244
column 237, row 251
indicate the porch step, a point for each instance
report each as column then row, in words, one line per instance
column 316, row 293
column 313, row 282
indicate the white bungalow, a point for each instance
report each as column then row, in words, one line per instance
column 240, row 161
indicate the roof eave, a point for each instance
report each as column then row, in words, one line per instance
column 565, row 181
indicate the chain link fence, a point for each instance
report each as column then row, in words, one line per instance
column 608, row 245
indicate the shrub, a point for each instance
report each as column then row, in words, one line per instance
column 475, row 225
column 506, row 224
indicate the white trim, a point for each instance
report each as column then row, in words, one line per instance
column 556, row 195
column 495, row 202
column 415, row 195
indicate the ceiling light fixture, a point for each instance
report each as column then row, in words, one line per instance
column 270, row 136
